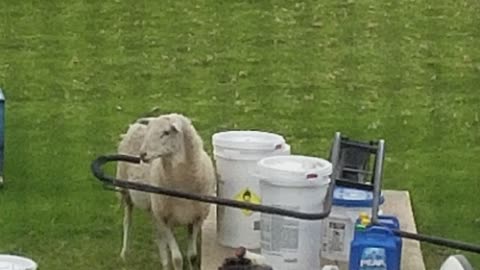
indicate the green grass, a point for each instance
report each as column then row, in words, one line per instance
column 76, row 72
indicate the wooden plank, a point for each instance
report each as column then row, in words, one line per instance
column 396, row 203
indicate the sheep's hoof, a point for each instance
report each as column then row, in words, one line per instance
column 193, row 262
column 123, row 255
column 178, row 263
column 166, row 266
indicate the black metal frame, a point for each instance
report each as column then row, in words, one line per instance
column 377, row 148
column 98, row 163
column 107, row 180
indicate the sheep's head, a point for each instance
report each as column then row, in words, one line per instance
column 163, row 138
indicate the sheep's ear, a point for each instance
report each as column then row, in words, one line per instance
column 175, row 126
column 143, row 121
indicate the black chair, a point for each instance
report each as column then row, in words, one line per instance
column 359, row 165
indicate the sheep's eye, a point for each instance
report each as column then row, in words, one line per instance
column 166, row 133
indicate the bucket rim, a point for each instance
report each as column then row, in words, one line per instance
column 318, row 175
column 325, row 168
column 248, row 140
column 249, row 155
column 15, row 260
column 295, row 184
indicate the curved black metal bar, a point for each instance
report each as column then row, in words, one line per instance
column 98, row 163
column 440, row 241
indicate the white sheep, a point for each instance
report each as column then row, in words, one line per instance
column 174, row 151
column 130, row 144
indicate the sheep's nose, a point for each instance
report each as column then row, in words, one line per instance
column 143, row 156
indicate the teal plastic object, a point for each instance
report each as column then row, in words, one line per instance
column 376, row 247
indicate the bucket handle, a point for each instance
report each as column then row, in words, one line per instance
column 311, row 176
column 278, row 146
column 315, row 174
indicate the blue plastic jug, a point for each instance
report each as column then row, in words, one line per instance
column 375, row 247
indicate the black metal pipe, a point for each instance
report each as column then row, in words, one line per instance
column 370, row 147
column 335, row 156
column 343, row 182
column 356, row 171
column 439, row 241
column 377, row 180
column 98, row 163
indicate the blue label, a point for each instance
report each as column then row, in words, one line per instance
column 373, row 259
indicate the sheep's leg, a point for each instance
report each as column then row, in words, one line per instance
column 127, row 220
column 175, row 250
column 166, row 237
column 193, row 231
column 163, row 248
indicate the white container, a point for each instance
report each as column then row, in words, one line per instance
column 338, row 228
column 330, row 267
column 236, row 155
column 11, row 262
column 296, row 183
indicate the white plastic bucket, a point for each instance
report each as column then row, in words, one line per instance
column 338, row 228
column 296, row 183
column 236, row 155
column 11, row 262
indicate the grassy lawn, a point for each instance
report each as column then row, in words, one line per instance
column 76, row 72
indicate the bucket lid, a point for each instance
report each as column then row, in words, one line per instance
column 248, row 140
column 11, row 262
column 294, row 169
column 350, row 197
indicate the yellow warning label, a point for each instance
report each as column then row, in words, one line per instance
column 246, row 195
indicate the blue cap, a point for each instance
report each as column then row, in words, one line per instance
column 349, row 197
